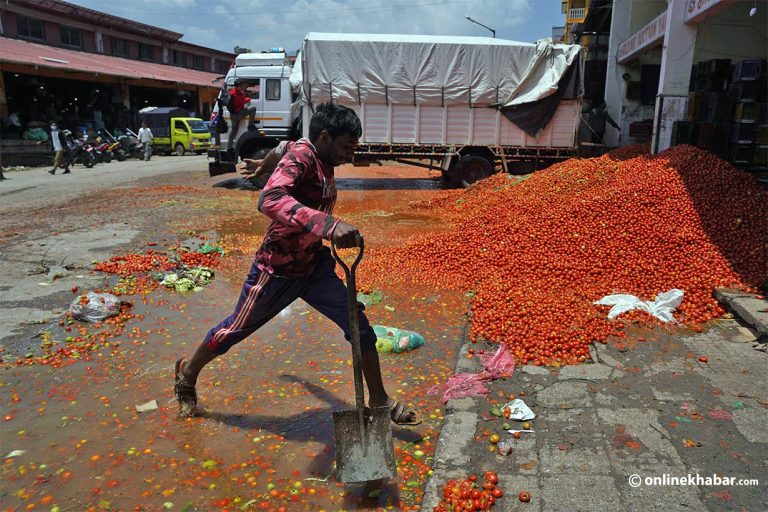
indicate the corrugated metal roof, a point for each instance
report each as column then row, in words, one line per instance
column 25, row 52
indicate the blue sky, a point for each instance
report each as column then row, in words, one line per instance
column 262, row 24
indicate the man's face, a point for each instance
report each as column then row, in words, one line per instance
column 242, row 87
column 337, row 150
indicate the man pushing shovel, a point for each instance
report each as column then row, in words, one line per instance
column 292, row 261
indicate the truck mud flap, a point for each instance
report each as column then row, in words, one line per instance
column 219, row 168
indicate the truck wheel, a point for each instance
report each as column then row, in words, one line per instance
column 473, row 168
column 179, row 149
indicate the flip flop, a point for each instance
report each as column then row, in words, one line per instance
column 402, row 415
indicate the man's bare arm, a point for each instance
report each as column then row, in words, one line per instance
column 254, row 168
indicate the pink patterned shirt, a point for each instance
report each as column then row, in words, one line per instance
column 299, row 198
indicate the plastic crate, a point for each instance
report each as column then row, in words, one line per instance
column 761, row 134
column 694, row 106
column 743, row 133
column 718, row 109
column 720, row 67
column 721, row 144
column 641, row 129
column 746, row 112
column 744, row 91
column 742, row 153
column 747, row 70
column 711, row 83
column 705, row 135
column 684, row 132
column 760, row 156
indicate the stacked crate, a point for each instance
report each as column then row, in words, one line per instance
column 749, row 131
column 709, row 108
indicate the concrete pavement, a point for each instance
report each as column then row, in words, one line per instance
column 646, row 409
column 43, row 253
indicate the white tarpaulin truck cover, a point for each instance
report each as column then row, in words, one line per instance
column 428, row 70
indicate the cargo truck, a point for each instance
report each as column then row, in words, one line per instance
column 174, row 131
column 468, row 106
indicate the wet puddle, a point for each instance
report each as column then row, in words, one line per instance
column 73, row 440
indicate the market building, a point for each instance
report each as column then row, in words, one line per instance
column 686, row 71
column 88, row 69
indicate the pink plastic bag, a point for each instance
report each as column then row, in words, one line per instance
column 460, row 385
column 500, row 364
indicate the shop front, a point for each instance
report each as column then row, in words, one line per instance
column 86, row 92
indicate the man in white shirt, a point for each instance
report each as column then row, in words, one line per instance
column 60, row 148
column 146, row 137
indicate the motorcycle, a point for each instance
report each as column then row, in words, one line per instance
column 115, row 147
column 101, row 148
column 131, row 145
column 78, row 152
column 84, row 154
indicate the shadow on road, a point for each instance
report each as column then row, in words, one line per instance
column 389, row 184
column 314, row 425
column 351, row 184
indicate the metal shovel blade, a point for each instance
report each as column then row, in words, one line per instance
column 371, row 457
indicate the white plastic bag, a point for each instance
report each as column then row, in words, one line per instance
column 662, row 308
column 519, row 410
column 98, row 307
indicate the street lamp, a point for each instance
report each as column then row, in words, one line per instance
column 484, row 26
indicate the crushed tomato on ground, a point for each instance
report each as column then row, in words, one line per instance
column 535, row 252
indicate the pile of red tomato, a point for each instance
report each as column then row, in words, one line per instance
column 198, row 259
column 467, row 495
column 133, row 264
column 538, row 252
column 136, row 264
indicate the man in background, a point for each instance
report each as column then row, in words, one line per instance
column 146, row 138
column 239, row 108
column 60, row 148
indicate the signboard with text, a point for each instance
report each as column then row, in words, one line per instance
column 646, row 37
column 697, row 9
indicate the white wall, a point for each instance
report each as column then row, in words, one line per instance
column 733, row 34
column 643, row 11
column 633, row 110
column 628, row 17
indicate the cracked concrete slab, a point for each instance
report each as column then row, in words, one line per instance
column 534, row 370
column 753, row 424
column 562, row 394
column 459, row 428
column 13, row 318
column 580, row 493
column 593, row 371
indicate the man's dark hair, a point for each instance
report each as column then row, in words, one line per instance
column 336, row 120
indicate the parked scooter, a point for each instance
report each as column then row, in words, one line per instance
column 101, row 148
column 131, row 145
column 115, row 147
column 78, row 152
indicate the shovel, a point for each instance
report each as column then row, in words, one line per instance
column 364, row 449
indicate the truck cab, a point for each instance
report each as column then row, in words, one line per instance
column 267, row 78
